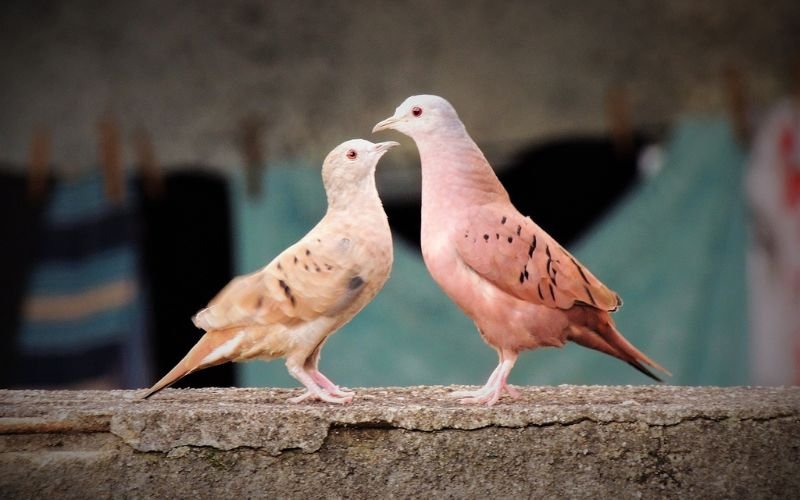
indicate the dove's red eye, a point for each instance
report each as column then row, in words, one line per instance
column 351, row 154
column 416, row 111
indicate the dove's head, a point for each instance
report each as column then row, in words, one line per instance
column 351, row 166
column 421, row 115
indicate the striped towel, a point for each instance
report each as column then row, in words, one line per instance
column 83, row 315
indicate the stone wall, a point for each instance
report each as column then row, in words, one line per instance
column 555, row 442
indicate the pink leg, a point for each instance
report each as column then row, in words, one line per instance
column 312, row 367
column 329, row 386
column 483, row 390
column 314, row 391
column 494, row 388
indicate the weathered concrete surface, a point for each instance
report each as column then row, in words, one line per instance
column 555, row 442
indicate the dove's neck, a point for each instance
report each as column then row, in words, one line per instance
column 347, row 195
column 455, row 173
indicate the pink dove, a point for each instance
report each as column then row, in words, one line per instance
column 290, row 307
column 521, row 288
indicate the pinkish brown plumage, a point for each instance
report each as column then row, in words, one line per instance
column 521, row 288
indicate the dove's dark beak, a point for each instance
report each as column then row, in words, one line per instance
column 383, row 147
column 385, row 124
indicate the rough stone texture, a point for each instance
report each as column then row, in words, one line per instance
column 320, row 72
column 555, row 442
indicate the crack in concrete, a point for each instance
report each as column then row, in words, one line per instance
column 389, row 426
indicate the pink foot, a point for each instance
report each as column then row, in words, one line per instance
column 320, row 395
column 313, row 389
column 329, row 386
column 491, row 392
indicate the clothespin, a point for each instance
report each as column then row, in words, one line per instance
column 620, row 123
column 250, row 129
column 110, row 153
column 146, row 162
column 38, row 162
column 735, row 93
column 796, row 83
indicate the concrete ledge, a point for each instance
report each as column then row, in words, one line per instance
column 566, row 441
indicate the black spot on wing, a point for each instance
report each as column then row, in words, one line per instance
column 355, row 283
column 308, row 252
column 510, row 239
column 503, row 220
column 287, row 291
column 519, row 230
column 532, row 248
column 485, row 237
column 521, row 277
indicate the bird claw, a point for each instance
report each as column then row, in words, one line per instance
column 515, row 394
column 321, row 395
column 329, row 386
column 487, row 395
column 489, row 399
column 467, row 394
column 342, row 393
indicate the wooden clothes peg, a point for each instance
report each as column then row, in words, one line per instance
column 735, row 92
column 149, row 170
column 796, row 83
column 110, row 156
column 250, row 129
column 619, row 117
column 39, row 156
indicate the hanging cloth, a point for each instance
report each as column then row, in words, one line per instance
column 674, row 251
column 82, row 320
column 773, row 193
column 186, row 241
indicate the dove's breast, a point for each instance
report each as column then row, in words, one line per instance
column 366, row 247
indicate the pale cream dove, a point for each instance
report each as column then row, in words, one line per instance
column 521, row 288
column 289, row 308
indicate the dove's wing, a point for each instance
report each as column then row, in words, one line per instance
column 319, row 275
column 519, row 257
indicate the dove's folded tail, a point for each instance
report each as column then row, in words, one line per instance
column 606, row 338
column 213, row 348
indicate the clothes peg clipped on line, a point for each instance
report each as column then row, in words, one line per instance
column 110, row 157
column 147, row 164
column 620, row 122
column 736, row 96
column 250, row 129
column 39, row 157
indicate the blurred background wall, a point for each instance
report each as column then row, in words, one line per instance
column 557, row 92
column 321, row 71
